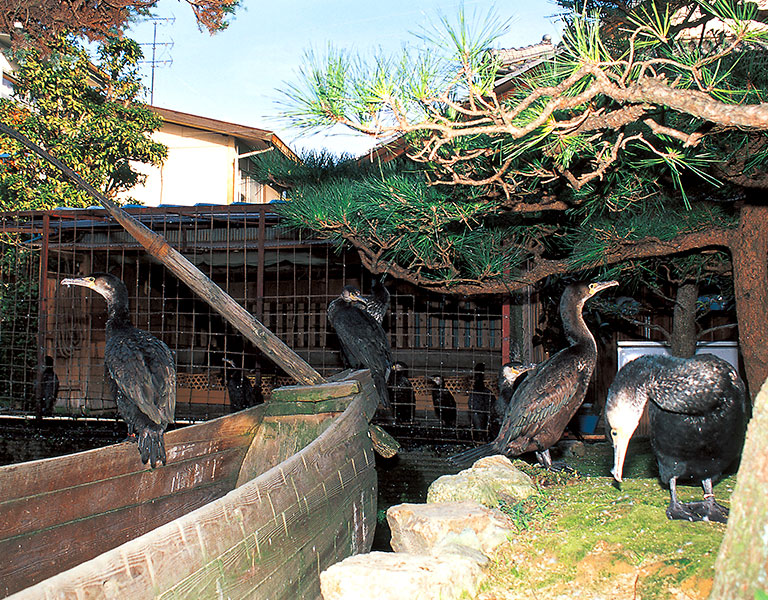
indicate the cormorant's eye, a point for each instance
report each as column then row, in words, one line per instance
column 614, row 433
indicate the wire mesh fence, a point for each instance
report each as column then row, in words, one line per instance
column 285, row 279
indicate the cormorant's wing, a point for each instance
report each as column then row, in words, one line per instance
column 544, row 393
column 377, row 304
column 695, row 386
column 363, row 340
column 142, row 367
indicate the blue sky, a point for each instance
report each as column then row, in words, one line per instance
column 235, row 74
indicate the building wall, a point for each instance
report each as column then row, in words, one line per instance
column 199, row 169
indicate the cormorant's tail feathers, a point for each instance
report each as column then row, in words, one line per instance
column 468, row 457
column 380, row 383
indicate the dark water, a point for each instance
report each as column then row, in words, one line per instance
column 406, row 477
column 27, row 439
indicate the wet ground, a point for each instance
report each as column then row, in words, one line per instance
column 28, row 439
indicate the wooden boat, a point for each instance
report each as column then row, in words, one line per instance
column 254, row 504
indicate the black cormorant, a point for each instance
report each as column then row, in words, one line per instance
column 239, row 389
column 510, row 378
column 140, row 369
column 698, row 417
column 480, row 401
column 401, row 395
column 550, row 395
column 377, row 304
column 443, row 402
column 48, row 390
column 364, row 343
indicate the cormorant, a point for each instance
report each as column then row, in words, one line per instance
column 550, row 395
column 401, row 395
column 480, row 401
column 239, row 389
column 363, row 342
column 140, row 369
column 48, row 390
column 443, row 402
column 698, row 417
column 510, row 377
column 377, row 304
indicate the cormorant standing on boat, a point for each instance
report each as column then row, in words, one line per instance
column 140, row 369
column 552, row 392
column 48, row 390
column 443, row 402
column 480, row 400
column 511, row 375
column 239, row 389
column 364, row 344
column 401, row 395
column 698, row 417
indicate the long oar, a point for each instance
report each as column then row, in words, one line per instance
column 217, row 298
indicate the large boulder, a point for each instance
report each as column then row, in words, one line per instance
column 488, row 481
column 395, row 576
column 444, row 527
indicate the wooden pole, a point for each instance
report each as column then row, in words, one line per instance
column 177, row 263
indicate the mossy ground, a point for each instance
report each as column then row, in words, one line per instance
column 582, row 537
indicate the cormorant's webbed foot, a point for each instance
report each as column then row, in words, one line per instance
column 151, row 445
column 709, row 510
column 681, row 512
column 545, row 461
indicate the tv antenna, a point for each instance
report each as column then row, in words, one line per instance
column 161, row 52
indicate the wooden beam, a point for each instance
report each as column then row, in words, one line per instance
column 177, row 263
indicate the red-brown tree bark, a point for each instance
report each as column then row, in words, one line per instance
column 749, row 252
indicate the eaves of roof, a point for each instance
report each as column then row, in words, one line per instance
column 252, row 135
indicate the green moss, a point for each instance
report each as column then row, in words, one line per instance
column 591, row 530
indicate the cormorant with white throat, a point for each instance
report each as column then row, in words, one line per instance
column 510, row 378
column 698, row 417
column 140, row 369
column 364, row 343
column 550, row 395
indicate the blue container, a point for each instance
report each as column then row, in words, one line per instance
column 587, row 423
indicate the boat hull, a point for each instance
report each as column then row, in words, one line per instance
column 296, row 509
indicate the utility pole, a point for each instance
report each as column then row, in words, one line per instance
column 165, row 59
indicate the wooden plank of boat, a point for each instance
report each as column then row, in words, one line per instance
column 305, row 498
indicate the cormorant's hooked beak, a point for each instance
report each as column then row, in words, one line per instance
column 81, row 281
column 620, row 440
column 599, row 286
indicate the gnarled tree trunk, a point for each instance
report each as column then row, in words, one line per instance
column 749, row 252
column 682, row 342
column 742, row 564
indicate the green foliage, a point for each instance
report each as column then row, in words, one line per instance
column 551, row 173
column 84, row 113
column 18, row 319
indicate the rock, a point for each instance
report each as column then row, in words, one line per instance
column 397, row 576
column 423, row 528
column 572, row 448
column 488, row 481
